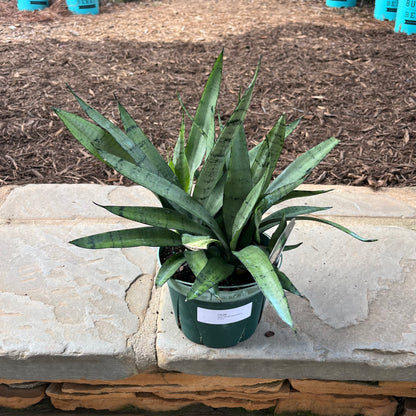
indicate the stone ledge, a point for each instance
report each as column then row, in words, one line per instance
column 68, row 313
column 158, row 392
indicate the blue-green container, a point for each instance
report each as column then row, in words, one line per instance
column 83, row 6
column 385, row 9
column 217, row 323
column 32, row 4
column 341, row 3
column 406, row 17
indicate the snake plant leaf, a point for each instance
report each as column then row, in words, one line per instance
column 278, row 194
column 276, row 138
column 169, row 268
column 260, row 163
column 197, row 242
column 140, row 139
column 289, row 247
column 256, row 220
column 339, row 227
column 196, row 260
column 216, row 197
column 132, row 237
column 215, row 271
column 286, row 283
column 215, row 292
column 252, row 154
column 258, row 264
column 254, row 151
column 289, row 212
column 278, row 232
column 201, row 136
column 158, row 217
column 166, row 189
column 238, row 182
column 220, row 123
column 245, row 212
column 302, row 166
column 180, row 161
column 91, row 136
column 135, row 150
column 292, row 126
column 212, row 168
column 298, row 193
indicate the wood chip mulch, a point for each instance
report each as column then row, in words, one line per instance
column 347, row 74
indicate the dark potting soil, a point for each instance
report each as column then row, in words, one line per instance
column 184, row 273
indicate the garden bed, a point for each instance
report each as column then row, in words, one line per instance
column 344, row 72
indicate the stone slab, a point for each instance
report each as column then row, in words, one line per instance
column 68, row 201
column 20, row 398
column 66, row 312
column 146, row 401
column 356, row 321
column 329, row 405
column 382, row 388
column 361, row 202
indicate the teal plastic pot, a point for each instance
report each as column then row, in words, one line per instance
column 341, row 3
column 217, row 323
column 406, row 17
column 83, row 6
column 385, row 9
column 32, row 4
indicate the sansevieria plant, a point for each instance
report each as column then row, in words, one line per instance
column 214, row 193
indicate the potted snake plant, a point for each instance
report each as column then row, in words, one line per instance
column 215, row 236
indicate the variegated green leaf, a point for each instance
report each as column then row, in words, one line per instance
column 292, row 126
column 91, row 136
column 272, row 135
column 278, row 194
column 215, row 271
column 165, row 189
column 134, row 149
column 258, row 264
column 278, row 232
column 290, row 247
column 339, row 227
column 289, row 212
column 303, row 165
column 286, row 283
column 146, row 147
column 212, row 169
column 169, row 268
column 275, row 138
column 302, row 194
column 269, row 152
column 244, row 213
column 238, row 181
column 197, row 242
column 201, row 136
column 196, row 260
column 253, row 153
column 133, row 237
column 158, row 217
column 180, row 161
column 216, row 197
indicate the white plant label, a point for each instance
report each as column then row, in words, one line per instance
column 225, row 316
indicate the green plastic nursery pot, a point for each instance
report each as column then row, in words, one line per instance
column 217, row 323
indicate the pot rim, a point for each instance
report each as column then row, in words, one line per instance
column 228, row 288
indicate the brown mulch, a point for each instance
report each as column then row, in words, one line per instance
column 347, row 74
